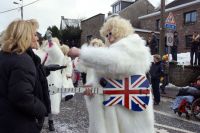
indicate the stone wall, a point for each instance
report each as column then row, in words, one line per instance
column 132, row 12
column 183, row 75
column 92, row 26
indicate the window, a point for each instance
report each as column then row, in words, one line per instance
column 190, row 17
column 188, row 41
column 158, row 24
column 117, row 8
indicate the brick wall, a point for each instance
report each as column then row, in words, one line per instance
column 183, row 75
column 91, row 26
column 132, row 12
column 183, row 30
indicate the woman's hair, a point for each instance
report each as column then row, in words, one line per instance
column 96, row 42
column 2, row 34
column 119, row 27
column 18, row 36
column 65, row 49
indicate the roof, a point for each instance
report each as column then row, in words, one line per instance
column 177, row 3
column 131, row 1
column 144, row 30
column 92, row 17
column 69, row 22
column 177, row 7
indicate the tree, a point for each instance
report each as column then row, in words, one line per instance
column 71, row 36
column 55, row 31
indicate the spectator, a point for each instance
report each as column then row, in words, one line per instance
column 156, row 72
column 186, row 95
column 174, row 47
column 148, row 39
column 153, row 44
column 20, row 106
column 194, row 48
column 165, row 77
column 196, row 84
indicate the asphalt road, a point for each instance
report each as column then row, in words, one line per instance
column 74, row 118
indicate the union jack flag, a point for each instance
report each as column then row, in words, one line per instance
column 132, row 92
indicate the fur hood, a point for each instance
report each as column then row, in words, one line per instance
column 126, row 57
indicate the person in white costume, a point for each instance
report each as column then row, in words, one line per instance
column 67, row 73
column 50, row 53
column 125, row 55
column 81, row 67
column 54, row 56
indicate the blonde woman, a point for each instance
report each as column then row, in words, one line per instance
column 24, row 99
column 67, row 72
column 125, row 55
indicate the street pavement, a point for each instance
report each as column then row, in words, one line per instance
column 73, row 117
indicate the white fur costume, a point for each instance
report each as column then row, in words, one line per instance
column 126, row 57
column 67, row 74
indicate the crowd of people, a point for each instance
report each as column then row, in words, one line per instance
column 160, row 66
column 30, row 68
column 153, row 44
column 29, row 71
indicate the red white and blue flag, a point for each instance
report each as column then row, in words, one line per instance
column 132, row 92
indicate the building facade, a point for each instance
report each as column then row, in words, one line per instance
column 69, row 22
column 187, row 17
column 130, row 10
column 90, row 27
column 133, row 11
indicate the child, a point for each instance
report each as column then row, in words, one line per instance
column 164, row 79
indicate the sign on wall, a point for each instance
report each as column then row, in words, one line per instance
column 170, row 39
column 170, row 22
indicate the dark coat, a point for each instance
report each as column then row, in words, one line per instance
column 156, row 70
column 41, row 85
column 153, row 45
column 19, row 106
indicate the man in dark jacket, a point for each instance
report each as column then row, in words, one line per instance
column 156, row 72
column 194, row 48
column 153, row 43
column 175, row 46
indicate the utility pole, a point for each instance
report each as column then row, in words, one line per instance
column 162, row 29
column 21, row 7
column 22, row 12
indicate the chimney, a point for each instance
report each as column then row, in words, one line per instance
column 109, row 13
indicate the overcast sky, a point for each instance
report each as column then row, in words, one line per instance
column 49, row 12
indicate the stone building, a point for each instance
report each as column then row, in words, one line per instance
column 90, row 27
column 128, row 9
column 136, row 9
column 187, row 17
column 69, row 22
